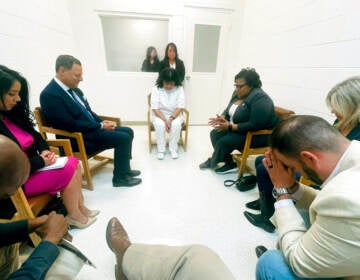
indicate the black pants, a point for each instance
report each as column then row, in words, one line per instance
column 224, row 142
column 120, row 139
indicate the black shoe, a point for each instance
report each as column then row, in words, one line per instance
column 206, row 164
column 259, row 221
column 133, row 173
column 246, row 183
column 126, row 182
column 259, row 250
column 227, row 168
column 254, row 205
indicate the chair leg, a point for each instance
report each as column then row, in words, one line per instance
column 186, row 139
column 35, row 239
column 87, row 175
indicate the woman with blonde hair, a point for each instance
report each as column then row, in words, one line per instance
column 344, row 102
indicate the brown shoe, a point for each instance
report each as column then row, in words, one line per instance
column 118, row 241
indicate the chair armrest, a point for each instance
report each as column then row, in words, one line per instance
column 113, row 119
column 64, row 143
column 61, row 132
column 261, row 132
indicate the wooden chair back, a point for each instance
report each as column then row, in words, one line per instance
column 241, row 159
column 98, row 160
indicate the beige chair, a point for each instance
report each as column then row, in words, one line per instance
column 100, row 160
column 184, row 129
column 241, row 158
column 29, row 208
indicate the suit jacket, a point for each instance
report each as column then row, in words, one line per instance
column 180, row 67
column 254, row 113
column 61, row 111
column 37, row 265
column 331, row 246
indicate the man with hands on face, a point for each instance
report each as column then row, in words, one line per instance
column 330, row 248
column 14, row 171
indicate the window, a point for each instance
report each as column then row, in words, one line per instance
column 126, row 40
column 206, row 46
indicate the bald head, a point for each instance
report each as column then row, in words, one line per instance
column 14, row 167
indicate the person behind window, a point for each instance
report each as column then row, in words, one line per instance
column 151, row 63
column 16, row 123
column 172, row 60
column 249, row 109
column 167, row 103
column 344, row 102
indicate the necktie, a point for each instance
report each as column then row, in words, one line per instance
column 81, row 105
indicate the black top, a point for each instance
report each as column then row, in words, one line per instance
column 354, row 134
column 179, row 67
column 148, row 67
column 254, row 113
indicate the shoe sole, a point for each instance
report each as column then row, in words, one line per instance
column 234, row 170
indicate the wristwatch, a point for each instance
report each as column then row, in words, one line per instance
column 276, row 192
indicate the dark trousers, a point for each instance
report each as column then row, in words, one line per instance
column 120, row 139
column 224, row 142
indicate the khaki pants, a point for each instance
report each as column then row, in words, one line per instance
column 158, row 262
column 9, row 260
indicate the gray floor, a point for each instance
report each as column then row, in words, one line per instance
column 176, row 204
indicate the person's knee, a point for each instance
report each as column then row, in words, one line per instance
column 258, row 160
column 265, row 263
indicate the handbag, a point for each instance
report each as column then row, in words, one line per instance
column 243, row 184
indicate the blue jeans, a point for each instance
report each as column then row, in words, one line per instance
column 272, row 266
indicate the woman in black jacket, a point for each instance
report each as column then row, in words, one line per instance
column 172, row 60
column 151, row 63
column 249, row 109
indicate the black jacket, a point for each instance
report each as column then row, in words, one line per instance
column 254, row 113
column 179, row 67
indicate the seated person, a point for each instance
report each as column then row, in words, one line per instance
column 16, row 123
column 65, row 107
column 330, row 248
column 151, row 63
column 344, row 101
column 167, row 103
column 141, row 261
column 14, row 171
column 249, row 109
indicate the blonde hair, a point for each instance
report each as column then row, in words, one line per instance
column 344, row 98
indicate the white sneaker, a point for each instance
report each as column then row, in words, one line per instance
column 160, row 156
column 174, row 154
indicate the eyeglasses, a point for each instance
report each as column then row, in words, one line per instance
column 239, row 86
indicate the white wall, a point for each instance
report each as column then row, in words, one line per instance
column 32, row 34
column 109, row 92
column 301, row 48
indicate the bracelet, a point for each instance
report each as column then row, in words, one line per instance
column 230, row 127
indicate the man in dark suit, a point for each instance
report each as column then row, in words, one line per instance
column 14, row 171
column 65, row 107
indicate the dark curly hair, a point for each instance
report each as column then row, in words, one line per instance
column 20, row 114
column 168, row 75
column 250, row 76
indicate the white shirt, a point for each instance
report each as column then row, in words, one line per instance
column 167, row 101
column 232, row 112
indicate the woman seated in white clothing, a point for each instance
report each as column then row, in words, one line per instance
column 167, row 104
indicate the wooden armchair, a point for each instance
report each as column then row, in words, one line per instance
column 184, row 129
column 241, row 158
column 100, row 160
column 29, row 208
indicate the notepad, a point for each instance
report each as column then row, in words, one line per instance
column 58, row 164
